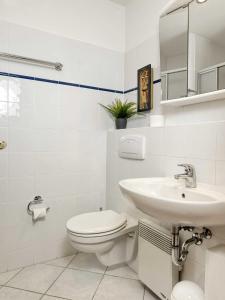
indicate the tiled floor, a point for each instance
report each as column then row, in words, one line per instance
column 78, row 277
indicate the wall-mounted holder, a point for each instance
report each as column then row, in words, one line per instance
column 37, row 200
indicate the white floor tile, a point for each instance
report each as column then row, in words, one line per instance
column 5, row 277
column 61, row 262
column 87, row 262
column 37, row 278
column 12, row 294
column 122, row 271
column 114, row 288
column 75, row 284
column 51, row 298
column 149, row 296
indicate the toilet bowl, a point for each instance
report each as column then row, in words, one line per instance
column 111, row 236
column 187, row 290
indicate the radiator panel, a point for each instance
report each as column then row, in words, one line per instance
column 155, row 267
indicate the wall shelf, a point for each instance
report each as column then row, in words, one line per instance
column 212, row 96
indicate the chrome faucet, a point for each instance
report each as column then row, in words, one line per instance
column 189, row 175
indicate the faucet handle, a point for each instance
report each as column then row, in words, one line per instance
column 188, row 167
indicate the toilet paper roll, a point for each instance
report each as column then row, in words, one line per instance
column 39, row 213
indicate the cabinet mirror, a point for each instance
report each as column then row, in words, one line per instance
column 192, row 51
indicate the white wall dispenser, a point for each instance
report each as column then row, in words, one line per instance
column 132, row 147
column 155, row 267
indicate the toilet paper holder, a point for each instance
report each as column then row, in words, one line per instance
column 37, row 200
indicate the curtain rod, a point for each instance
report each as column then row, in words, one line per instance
column 22, row 59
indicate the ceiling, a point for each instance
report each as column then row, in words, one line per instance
column 121, row 2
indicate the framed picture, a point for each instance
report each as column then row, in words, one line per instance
column 145, row 88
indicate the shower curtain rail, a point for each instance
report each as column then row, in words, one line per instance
column 22, row 59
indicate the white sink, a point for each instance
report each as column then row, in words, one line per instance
column 169, row 200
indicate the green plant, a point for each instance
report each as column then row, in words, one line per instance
column 121, row 110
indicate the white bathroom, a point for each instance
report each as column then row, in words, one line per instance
column 112, row 149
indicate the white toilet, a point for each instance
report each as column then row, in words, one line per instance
column 187, row 290
column 111, row 236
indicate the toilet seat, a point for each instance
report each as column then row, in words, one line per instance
column 96, row 224
column 93, row 235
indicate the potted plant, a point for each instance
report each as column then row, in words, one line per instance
column 121, row 111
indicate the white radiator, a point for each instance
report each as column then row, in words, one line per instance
column 155, row 267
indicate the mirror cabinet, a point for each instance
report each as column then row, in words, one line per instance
column 192, row 51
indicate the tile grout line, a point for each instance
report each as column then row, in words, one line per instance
column 57, row 297
column 45, row 293
column 118, row 276
column 85, row 270
column 144, row 294
column 64, row 269
column 20, row 289
column 13, row 276
column 48, row 263
column 103, row 275
column 95, row 272
column 16, row 288
column 71, row 259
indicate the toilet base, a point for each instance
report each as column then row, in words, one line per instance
column 124, row 250
column 92, row 248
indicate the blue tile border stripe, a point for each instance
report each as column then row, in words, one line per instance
column 135, row 89
column 70, row 83
column 130, row 90
column 60, row 82
column 156, row 81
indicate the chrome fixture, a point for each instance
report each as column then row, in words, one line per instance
column 3, row 145
column 189, row 175
column 179, row 254
column 37, row 200
column 22, row 59
column 192, row 92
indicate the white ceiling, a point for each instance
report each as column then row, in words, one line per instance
column 121, row 2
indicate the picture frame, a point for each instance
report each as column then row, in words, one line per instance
column 145, row 89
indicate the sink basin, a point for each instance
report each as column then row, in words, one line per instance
column 169, row 200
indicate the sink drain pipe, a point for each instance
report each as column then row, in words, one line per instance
column 180, row 252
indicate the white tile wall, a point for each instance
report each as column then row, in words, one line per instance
column 56, row 139
column 199, row 144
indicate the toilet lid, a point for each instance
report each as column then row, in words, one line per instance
column 96, row 222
